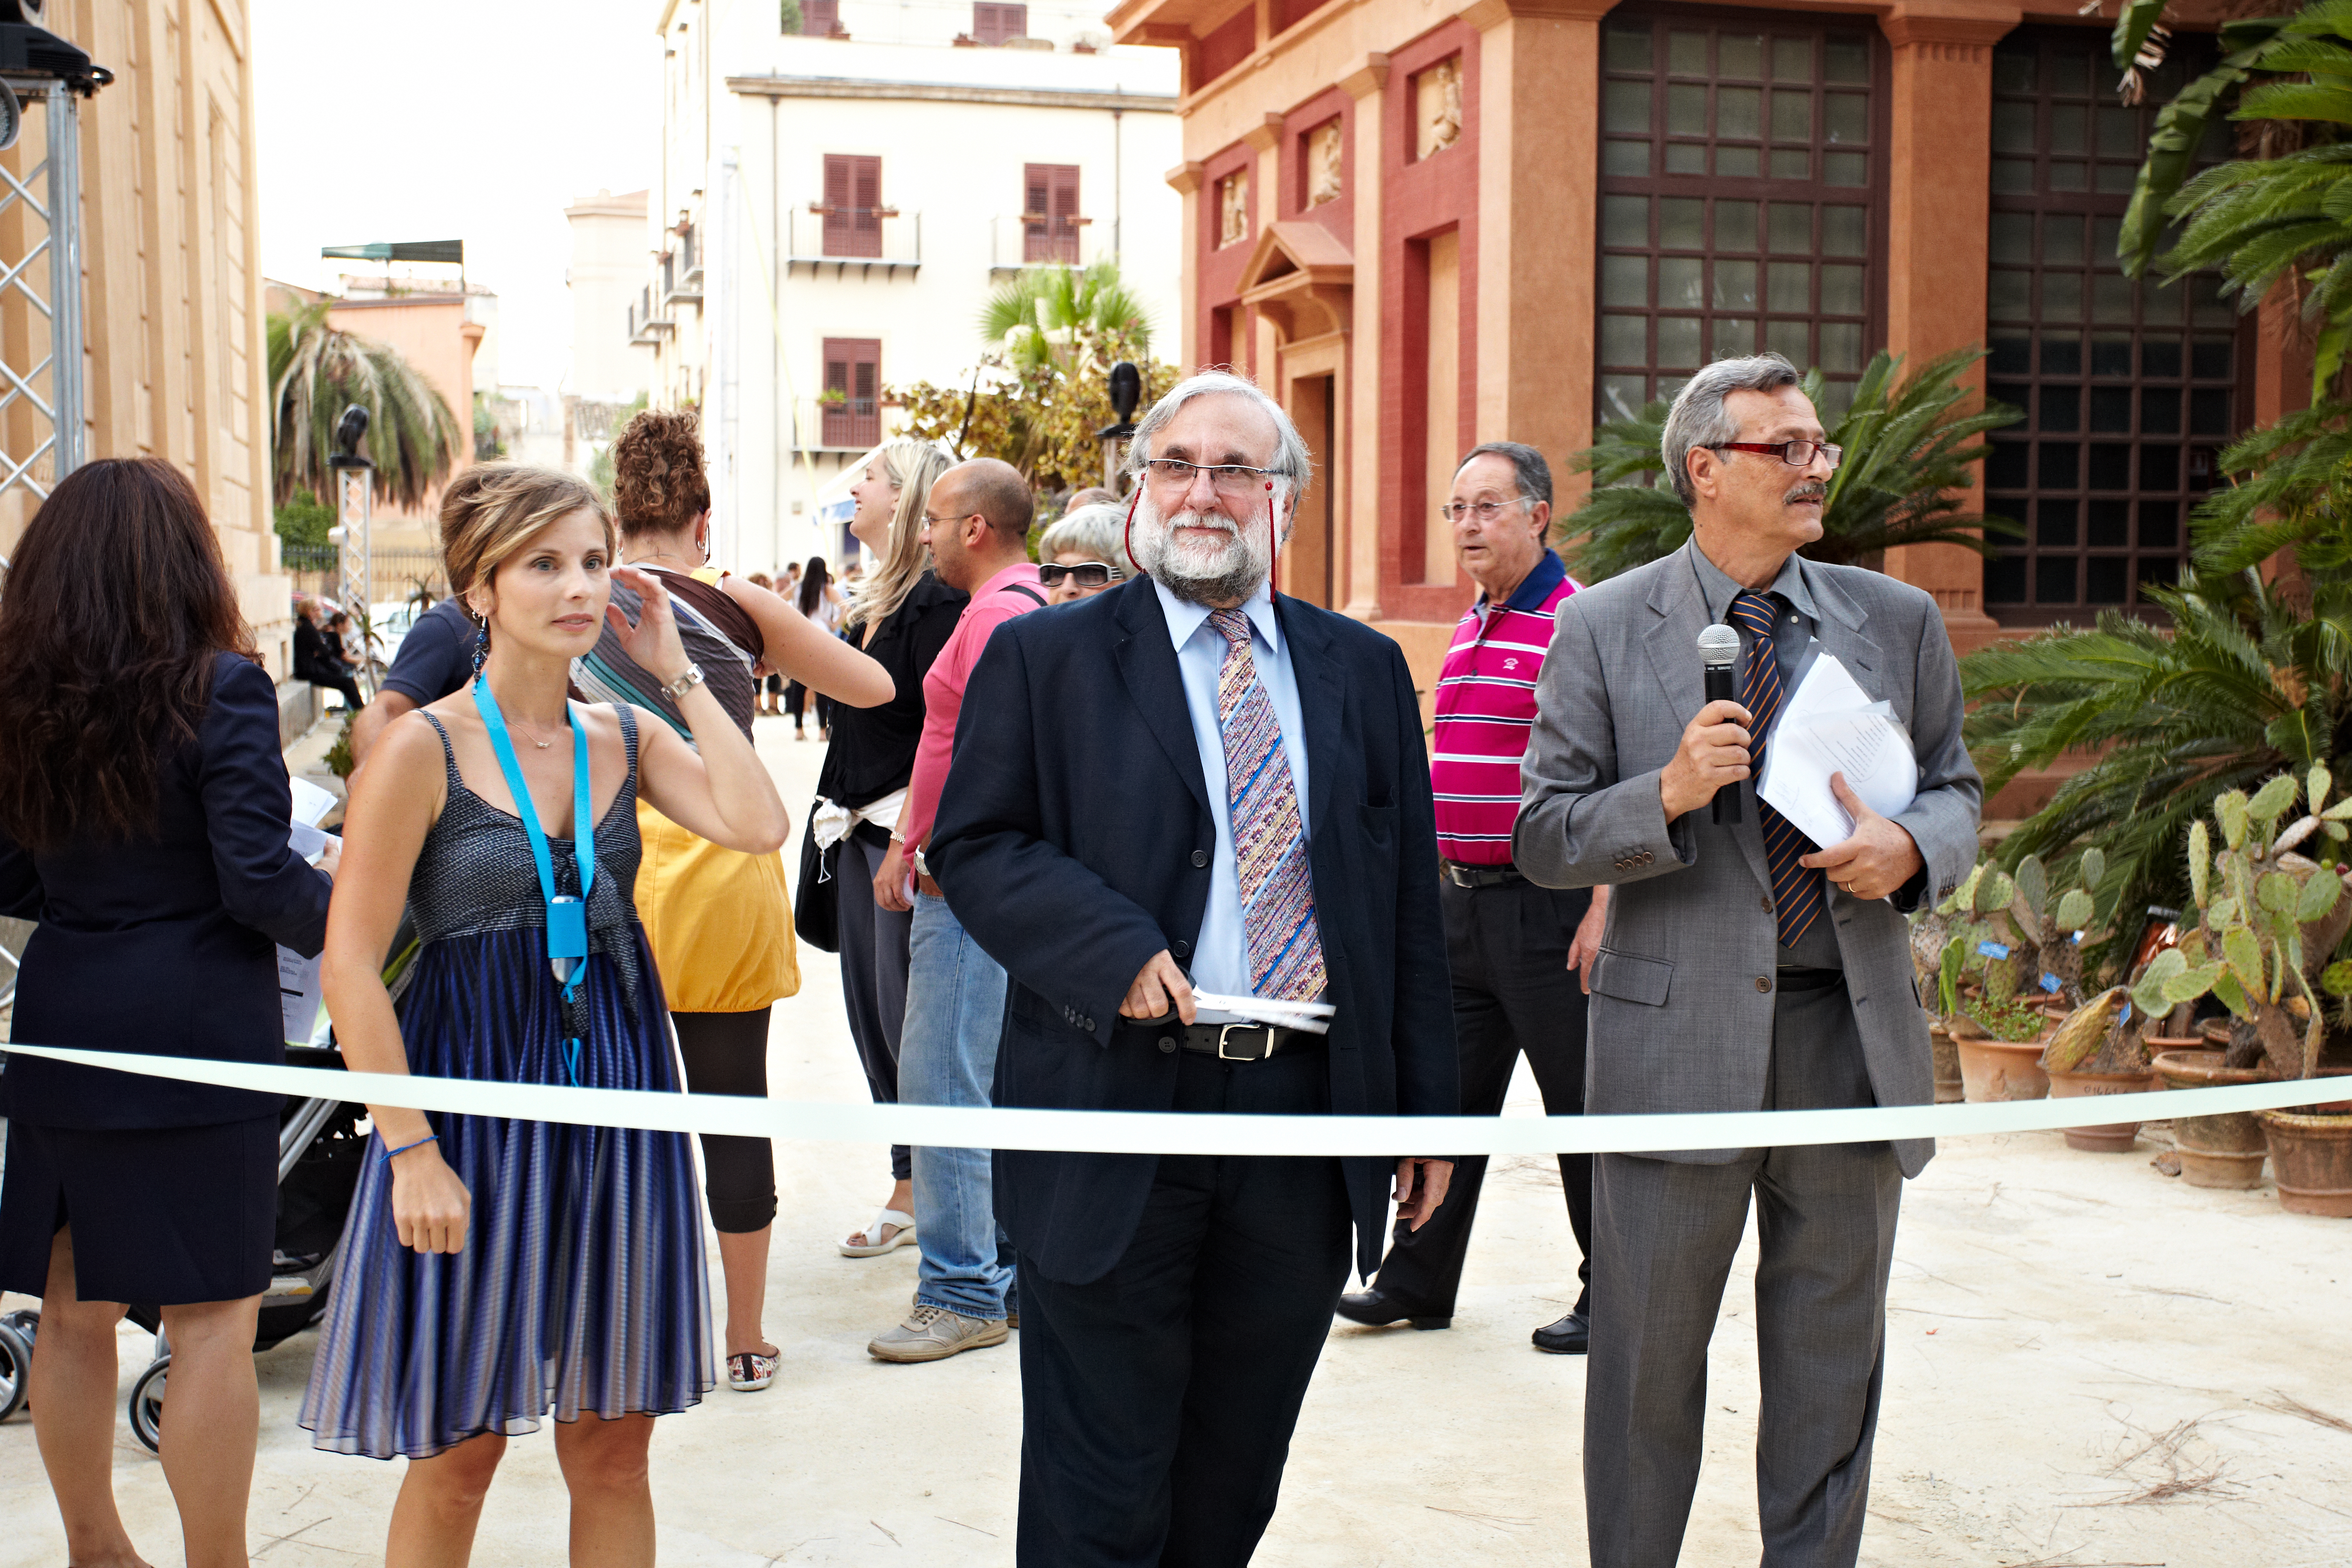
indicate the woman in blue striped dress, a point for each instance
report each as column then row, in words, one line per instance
column 494, row 1271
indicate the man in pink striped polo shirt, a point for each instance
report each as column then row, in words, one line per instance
column 1514, row 947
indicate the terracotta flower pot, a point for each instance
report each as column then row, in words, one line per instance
column 1947, row 1064
column 2002, row 1070
column 2224, row 1151
column 2115, row 1137
column 2311, row 1160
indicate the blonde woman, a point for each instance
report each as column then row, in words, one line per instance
column 494, row 1271
column 902, row 617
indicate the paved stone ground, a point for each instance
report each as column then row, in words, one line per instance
column 2089, row 1364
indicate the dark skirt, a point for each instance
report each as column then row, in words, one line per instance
column 161, row 1216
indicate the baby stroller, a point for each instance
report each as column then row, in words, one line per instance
column 320, row 1150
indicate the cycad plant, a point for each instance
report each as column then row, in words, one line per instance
column 1904, row 479
column 2260, row 220
column 2247, row 683
column 315, row 373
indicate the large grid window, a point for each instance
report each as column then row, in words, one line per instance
column 1739, row 181
column 2130, row 388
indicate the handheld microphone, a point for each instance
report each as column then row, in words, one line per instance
column 1719, row 645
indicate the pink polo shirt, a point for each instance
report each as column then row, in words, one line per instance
column 996, row 602
column 1486, row 712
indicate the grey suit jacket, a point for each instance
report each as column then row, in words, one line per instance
column 1682, row 989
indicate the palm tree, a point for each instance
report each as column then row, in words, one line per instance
column 1032, row 313
column 2248, row 683
column 1908, row 450
column 315, row 373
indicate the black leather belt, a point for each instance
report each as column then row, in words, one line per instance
column 1481, row 876
column 1793, row 978
column 1227, row 1041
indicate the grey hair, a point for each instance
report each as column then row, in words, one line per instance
column 1698, row 420
column 1293, row 464
column 1092, row 531
column 1528, row 469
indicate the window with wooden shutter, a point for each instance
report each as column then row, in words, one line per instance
column 994, row 23
column 852, row 205
column 1049, row 213
column 853, row 391
column 819, row 18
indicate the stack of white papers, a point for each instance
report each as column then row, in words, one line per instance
column 1829, row 725
column 300, row 995
column 1311, row 1018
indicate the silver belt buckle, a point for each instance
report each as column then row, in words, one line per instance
column 1226, row 1029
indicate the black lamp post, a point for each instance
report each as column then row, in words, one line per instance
column 1126, row 393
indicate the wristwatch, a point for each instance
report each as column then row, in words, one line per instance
column 920, row 869
column 685, row 683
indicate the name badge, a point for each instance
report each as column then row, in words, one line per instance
column 567, row 927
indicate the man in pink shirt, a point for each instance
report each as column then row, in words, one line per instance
column 978, row 528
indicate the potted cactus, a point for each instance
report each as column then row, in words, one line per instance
column 2269, row 919
column 2007, row 950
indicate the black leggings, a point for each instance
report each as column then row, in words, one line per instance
column 727, row 1054
column 343, row 683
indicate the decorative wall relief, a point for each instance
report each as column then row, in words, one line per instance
column 1438, row 107
column 1324, row 179
column 1232, row 208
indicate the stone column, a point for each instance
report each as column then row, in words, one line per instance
column 1189, row 351
column 1264, row 139
column 1357, row 534
column 1940, row 158
column 1539, row 168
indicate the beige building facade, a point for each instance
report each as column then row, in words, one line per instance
column 172, row 344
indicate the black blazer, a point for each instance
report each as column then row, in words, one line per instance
column 167, row 944
column 1072, row 841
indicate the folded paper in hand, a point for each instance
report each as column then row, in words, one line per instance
column 1830, row 726
column 1309, row 1018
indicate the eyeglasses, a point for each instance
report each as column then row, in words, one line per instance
column 1233, row 480
column 1485, row 511
column 1085, row 574
column 1795, row 454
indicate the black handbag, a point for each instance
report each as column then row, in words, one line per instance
column 817, row 897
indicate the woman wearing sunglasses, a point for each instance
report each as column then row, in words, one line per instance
column 1082, row 554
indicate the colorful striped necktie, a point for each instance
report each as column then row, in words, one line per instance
column 1799, row 895
column 1286, row 955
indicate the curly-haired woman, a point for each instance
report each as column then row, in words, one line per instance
column 720, row 921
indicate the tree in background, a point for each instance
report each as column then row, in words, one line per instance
column 304, row 520
column 315, row 373
column 1039, row 395
column 1909, row 445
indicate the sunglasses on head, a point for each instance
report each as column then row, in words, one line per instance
column 1089, row 574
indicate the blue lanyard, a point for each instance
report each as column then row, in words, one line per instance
column 567, row 917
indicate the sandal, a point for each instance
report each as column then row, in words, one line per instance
column 898, row 1222
column 749, row 1371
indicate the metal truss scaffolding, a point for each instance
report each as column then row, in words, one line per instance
column 41, row 366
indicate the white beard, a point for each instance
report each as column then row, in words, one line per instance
column 1228, row 570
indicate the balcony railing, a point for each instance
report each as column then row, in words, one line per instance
column 866, row 238
column 1031, row 239
column 854, row 424
column 681, row 269
column 649, row 319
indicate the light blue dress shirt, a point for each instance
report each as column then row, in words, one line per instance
column 1221, row 957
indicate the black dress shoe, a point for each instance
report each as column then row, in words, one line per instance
column 1569, row 1336
column 1374, row 1311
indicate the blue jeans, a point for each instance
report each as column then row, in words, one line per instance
column 947, row 1056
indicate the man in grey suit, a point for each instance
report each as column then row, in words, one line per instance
column 1744, row 967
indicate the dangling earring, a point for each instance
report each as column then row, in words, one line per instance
column 481, row 642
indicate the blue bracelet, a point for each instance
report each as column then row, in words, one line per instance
column 428, row 1138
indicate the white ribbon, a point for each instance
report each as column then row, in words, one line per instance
column 1178, row 1132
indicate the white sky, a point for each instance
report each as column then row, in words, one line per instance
column 435, row 119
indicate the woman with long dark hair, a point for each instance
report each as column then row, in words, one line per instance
column 818, row 600
column 143, row 817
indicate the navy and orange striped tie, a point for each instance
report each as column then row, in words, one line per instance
column 1798, row 894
